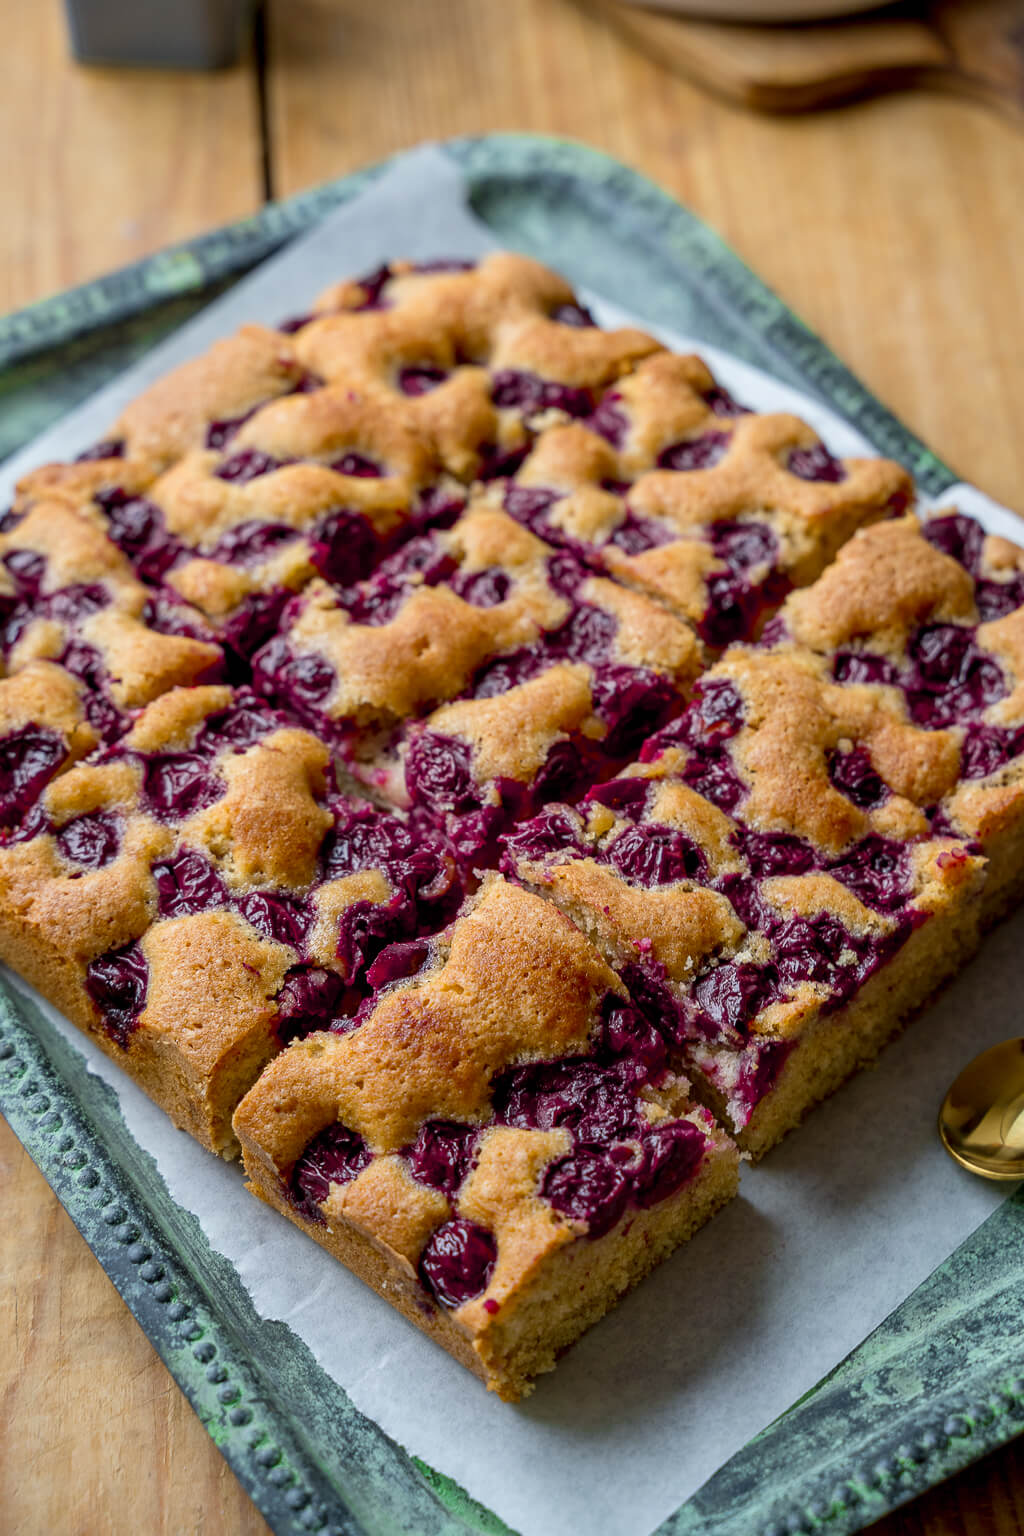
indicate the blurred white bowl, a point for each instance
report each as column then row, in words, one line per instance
column 762, row 10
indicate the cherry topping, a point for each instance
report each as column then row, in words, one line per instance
column 241, row 725
column 247, row 464
column 303, row 679
column 527, row 392
column 530, row 506
column 628, row 796
column 589, row 1186
column 672, row 1154
column 655, row 855
column 458, row 1261
column 877, row 871
column 334, row 1156
column 775, row 853
column 732, row 609
column 760, row 1067
column 285, row 919
column 188, row 883
column 995, row 599
column 255, row 620
column 373, row 285
column 988, row 748
column 714, row 716
column 28, row 760
column 344, row 547
column 635, row 535
column 744, row 546
column 484, row 589
column 177, row 784
column 107, row 448
column 28, row 571
column 137, row 527
column 251, row 542
column 815, row 463
column 696, row 452
column 438, row 773
column 307, row 1001
column 713, row 775
column 730, row 995
column 554, row 831
column 442, row 1154
column 609, row 420
column 357, row 465
column 721, row 403
column 853, row 774
column 952, row 676
column 959, row 537
column 631, row 1040
column 576, row 315
column 420, row 380
column 91, row 840
column 862, row 667
column 398, row 962
column 117, row 984
column 595, row 1102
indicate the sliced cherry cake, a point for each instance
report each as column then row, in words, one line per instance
column 548, row 674
column 198, row 894
column 68, row 595
column 770, row 881
column 498, row 1145
column 931, row 617
column 422, row 583
column 673, row 488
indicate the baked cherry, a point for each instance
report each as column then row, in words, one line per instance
column 28, row 760
column 90, row 841
column 335, row 1156
column 442, row 1154
column 458, row 1261
column 117, row 984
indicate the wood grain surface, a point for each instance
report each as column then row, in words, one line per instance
column 895, row 228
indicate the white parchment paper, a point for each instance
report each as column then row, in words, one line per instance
column 829, row 1234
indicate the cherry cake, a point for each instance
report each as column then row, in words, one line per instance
column 467, row 762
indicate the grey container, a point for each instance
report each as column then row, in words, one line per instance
column 166, row 34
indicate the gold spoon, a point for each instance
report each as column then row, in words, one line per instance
column 981, row 1121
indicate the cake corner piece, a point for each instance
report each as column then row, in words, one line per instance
column 504, row 1194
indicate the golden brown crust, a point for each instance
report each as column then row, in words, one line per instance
column 739, row 473
column 885, row 582
column 236, row 375
column 430, row 1048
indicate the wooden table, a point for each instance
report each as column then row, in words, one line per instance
column 895, row 228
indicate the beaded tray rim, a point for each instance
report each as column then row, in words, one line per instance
column 938, row 1384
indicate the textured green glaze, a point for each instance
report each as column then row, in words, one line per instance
column 938, row 1384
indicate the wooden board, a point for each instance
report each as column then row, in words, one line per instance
column 971, row 47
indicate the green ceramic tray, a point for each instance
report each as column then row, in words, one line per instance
column 938, row 1384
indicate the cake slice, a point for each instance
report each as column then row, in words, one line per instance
column 197, row 894
column 674, row 489
column 497, row 1147
column 548, row 674
column 45, row 727
column 931, row 616
column 320, row 481
column 771, row 882
column 68, row 595
column 479, row 356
